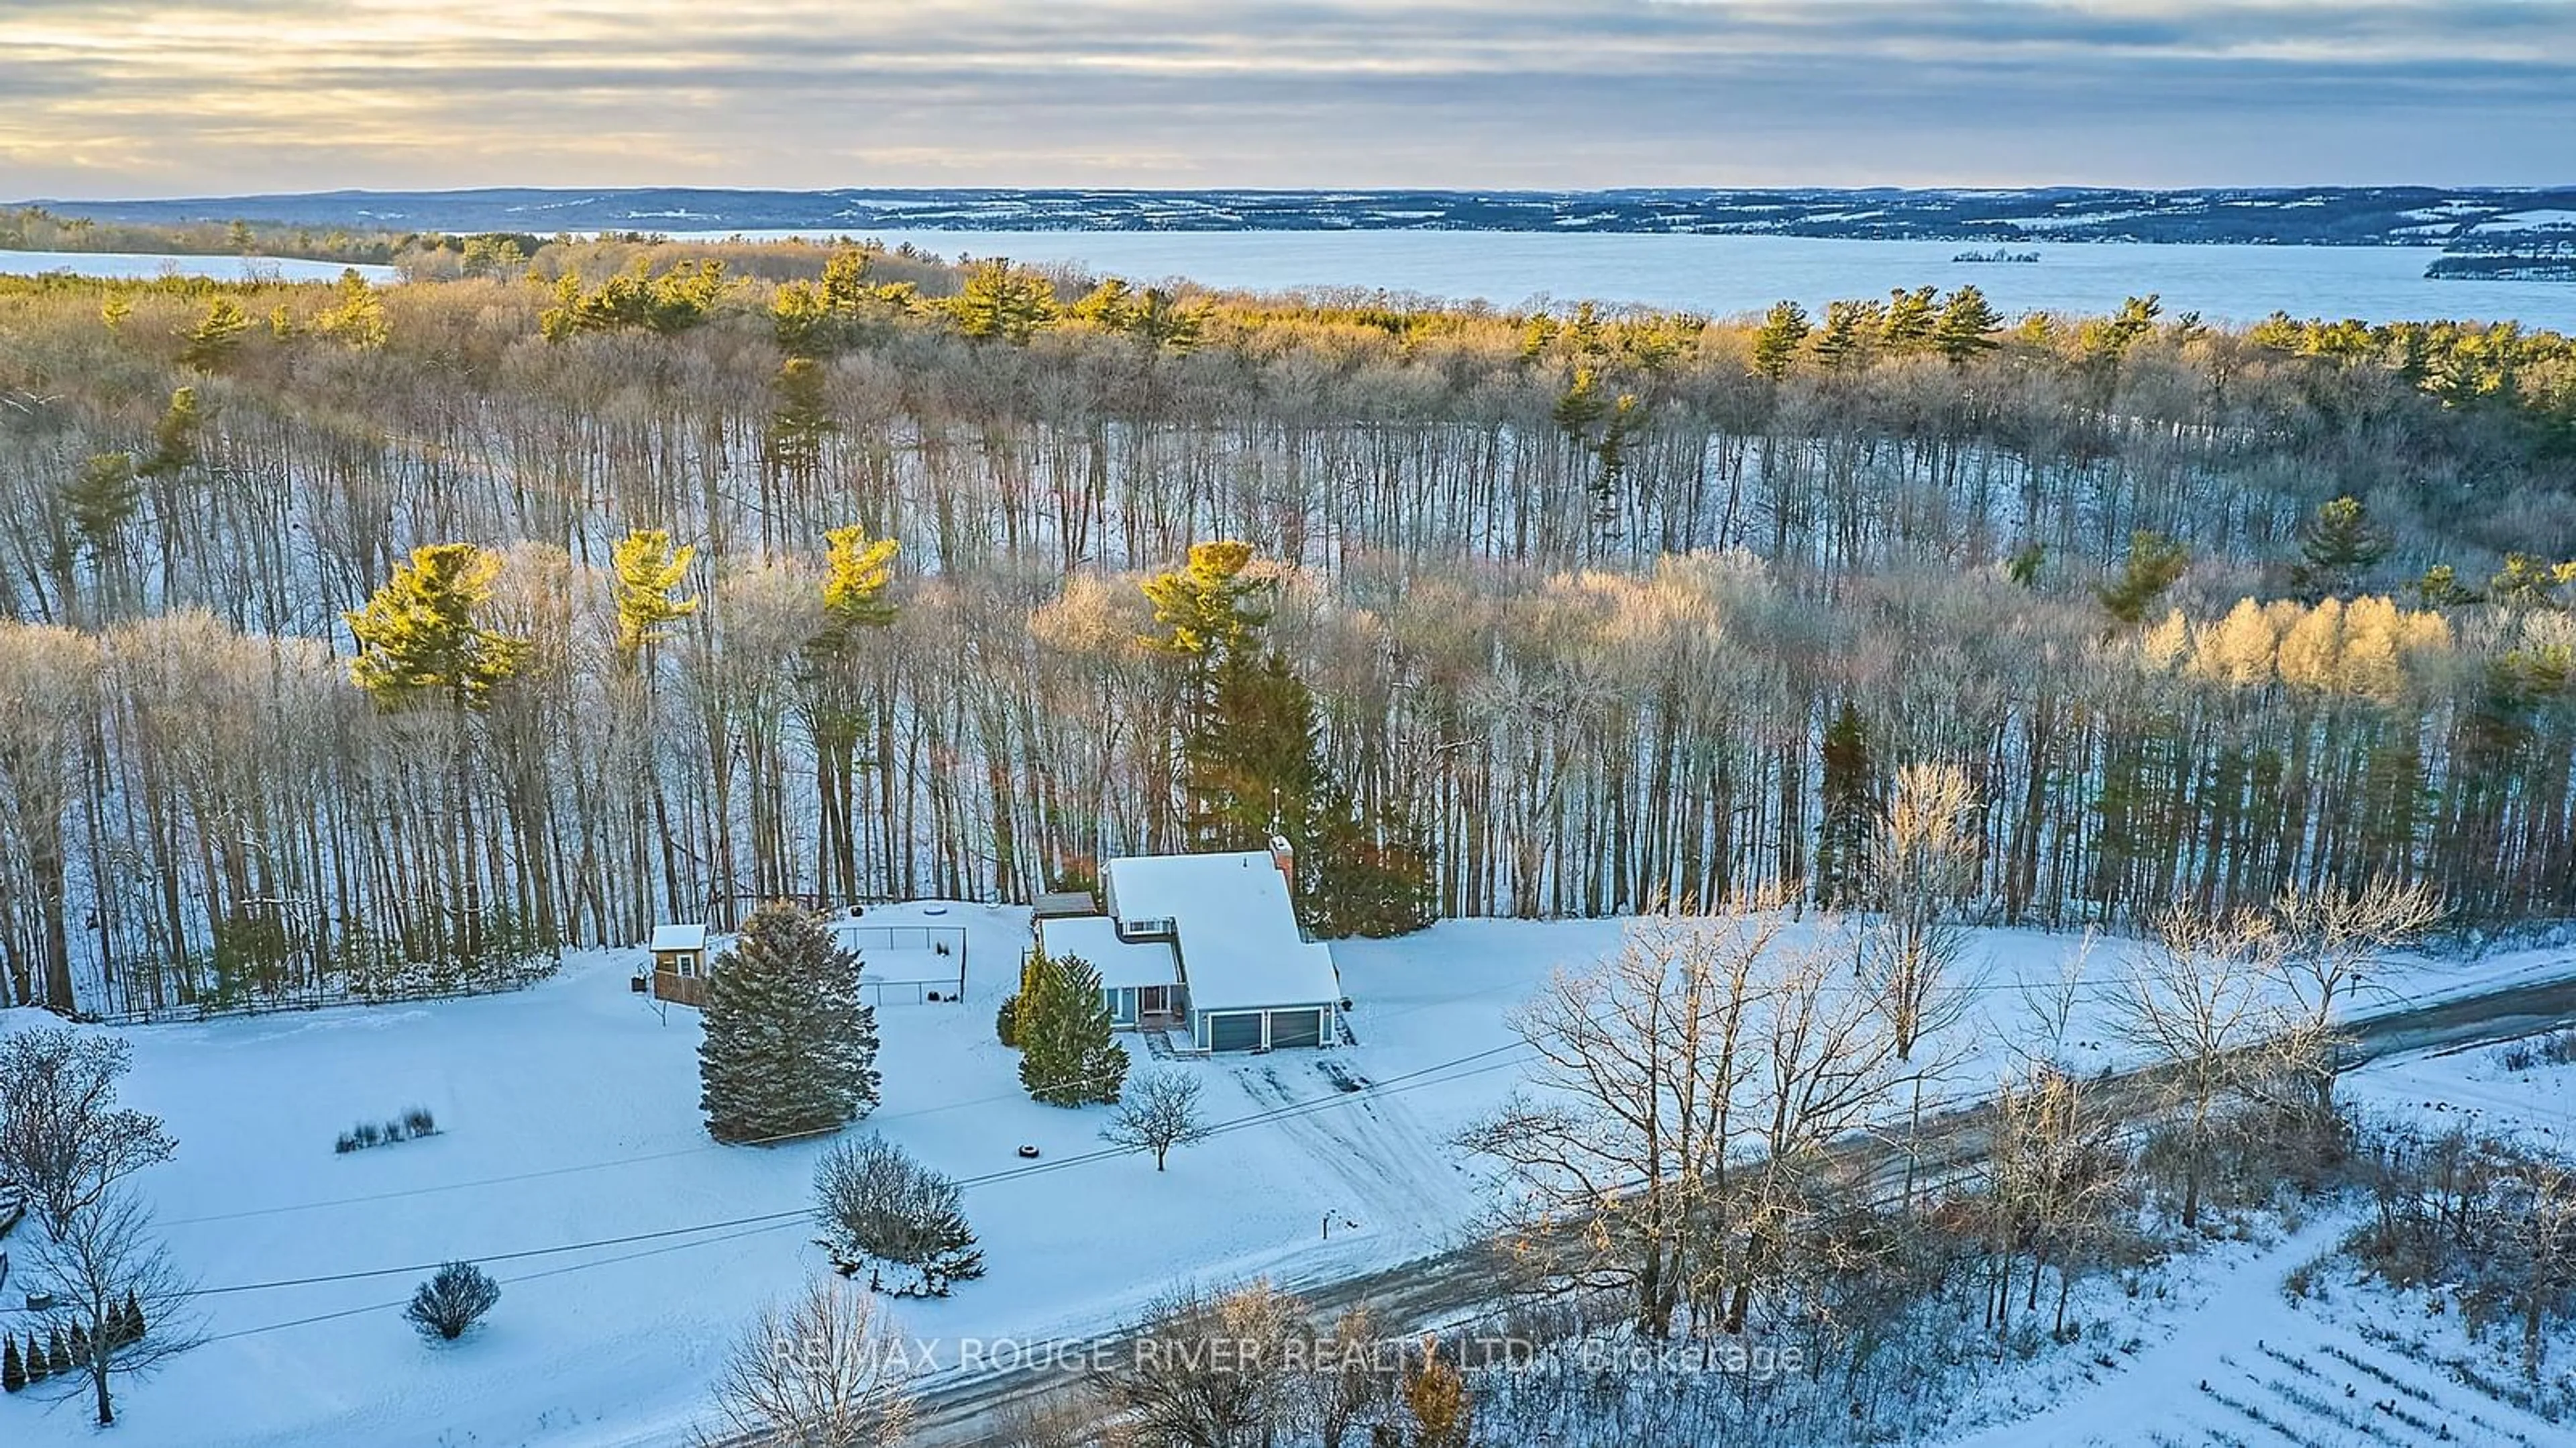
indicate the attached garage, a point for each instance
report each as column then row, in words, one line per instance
column 1221, row 934
column 1234, row 1031
column 1296, row 1028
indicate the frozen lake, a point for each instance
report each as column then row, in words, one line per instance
column 1719, row 275
column 1726, row 275
column 149, row 264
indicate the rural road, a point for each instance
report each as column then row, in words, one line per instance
column 1444, row 1287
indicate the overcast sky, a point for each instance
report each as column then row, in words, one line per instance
column 117, row 98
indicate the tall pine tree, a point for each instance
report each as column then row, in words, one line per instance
column 790, row 1050
column 1848, row 798
column 2338, row 546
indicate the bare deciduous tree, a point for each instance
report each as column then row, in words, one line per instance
column 823, row 1371
column 1213, row 1370
column 2328, row 937
column 1160, row 1110
column 1922, row 862
column 2537, row 1232
column 2203, row 998
column 110, row 1276
column 1642, row 1061
column 63, row 1138
column 2054, row 1176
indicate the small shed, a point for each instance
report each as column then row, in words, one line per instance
column 680, row 964
column 1066, row 905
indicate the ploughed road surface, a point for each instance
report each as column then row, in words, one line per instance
column 1447, row 1287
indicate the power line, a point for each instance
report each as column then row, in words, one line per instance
column 763, row 1221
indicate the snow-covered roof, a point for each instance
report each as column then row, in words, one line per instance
column 679, row 937
column 1094, row 938
column 1238, row 935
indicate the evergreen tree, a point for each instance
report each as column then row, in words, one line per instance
column 135, row 1326
column 800, row 421
column 102, row 499
column 1066, row 1055
column 1362, row 875
column 2338, row 546
column 1208, row 611
column 789, row 1050
column 39, row 1366
column 2440, row 587
column 1966, row 326
column 358, row 319
column 834, row 685
column 1254, row 762
column 1776, row 342
column 80, row 1341
column 1906, row 326
column 2528, row 581
column 1848, row 796
column 419, row 635
column 1843, row 342
column 649, row 574
column 13, row 1369
column 58, row 1357
column 2155, row 564
column 1006, row 1021
column 1001, row 302
column 1581, row 407
column 174, row 437
column 212, row 342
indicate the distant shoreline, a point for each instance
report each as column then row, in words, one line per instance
column 2420, row 217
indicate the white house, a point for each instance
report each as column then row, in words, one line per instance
column 1209, row 945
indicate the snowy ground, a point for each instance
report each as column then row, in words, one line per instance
column 2352, row 1362
column 569, row 1115
column 2476, row 1091
column 2226, row 1356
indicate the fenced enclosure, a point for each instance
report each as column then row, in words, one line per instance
column 906, row 963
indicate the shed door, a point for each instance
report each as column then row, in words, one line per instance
column 1296, row 1028
column 1235, row 1032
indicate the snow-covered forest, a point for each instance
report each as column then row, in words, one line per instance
column 1597, row 609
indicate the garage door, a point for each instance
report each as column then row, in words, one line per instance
column 1296, row 1028
column 1235, row 1032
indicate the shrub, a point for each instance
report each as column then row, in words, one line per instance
column 881, row 1209
column 414, row 1123
column 452, row 1301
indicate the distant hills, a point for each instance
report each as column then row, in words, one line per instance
column 2330, row 216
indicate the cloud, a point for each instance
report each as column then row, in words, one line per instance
column 137, row 97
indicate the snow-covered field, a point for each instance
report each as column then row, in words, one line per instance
column 156, row 264
column 568, row 1115
column 2225, row 1354
column 2475, row 1091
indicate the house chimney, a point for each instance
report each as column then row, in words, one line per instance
column 1286, row 859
